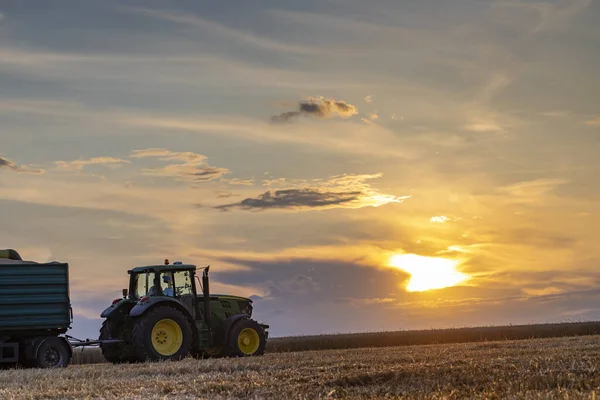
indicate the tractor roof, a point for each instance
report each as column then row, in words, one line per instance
column 163, row 267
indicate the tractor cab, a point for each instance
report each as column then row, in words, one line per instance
column 174, row 280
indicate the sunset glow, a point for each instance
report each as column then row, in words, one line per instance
column 428, row 273
column 401, row 164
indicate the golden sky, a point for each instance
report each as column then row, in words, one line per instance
column 401, row 165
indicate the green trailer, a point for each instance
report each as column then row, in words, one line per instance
column 35, row 311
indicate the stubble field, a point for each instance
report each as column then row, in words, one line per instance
column 538, row 368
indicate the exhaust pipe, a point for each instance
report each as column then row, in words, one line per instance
column 206, row 290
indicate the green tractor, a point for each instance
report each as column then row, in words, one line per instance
column 163, row 317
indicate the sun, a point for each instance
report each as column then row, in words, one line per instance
column 427, row 273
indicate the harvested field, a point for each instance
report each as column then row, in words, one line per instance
column 404, row 338
column 539, row 368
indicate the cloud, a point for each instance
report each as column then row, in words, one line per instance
column 370, row 118
column 78, row 165
column 593, row 122
column 439, row 219
column 243, row 37
column 483, row 127
column 531, row 191
column 222, row 194
column 543, row 291
column 319, row 107
column 298, row 284
column 4, row 163
column 550, row 15
column 370, row 301
column 241, row 182
column 7, row 164
column 295, row 199
column 555, row 113
column 347, row 191
column 369, row 98
column 168, row 155
column 342, row 137
column 192, row 169
column 274, row 182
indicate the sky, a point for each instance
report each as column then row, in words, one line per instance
column 352, row 166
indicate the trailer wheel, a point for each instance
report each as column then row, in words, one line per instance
column 162, row 333
column 247, row 338
column 53, row 353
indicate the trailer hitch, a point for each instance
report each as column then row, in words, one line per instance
column 74, row 342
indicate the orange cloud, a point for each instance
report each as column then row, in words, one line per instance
column 192, row 169
column 594, row 122
column 78, row 165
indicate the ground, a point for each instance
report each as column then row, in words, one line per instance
column 538, row 368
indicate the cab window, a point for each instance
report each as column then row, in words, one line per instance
column 183, row 283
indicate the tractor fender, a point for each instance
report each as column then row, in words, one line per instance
column 114, row 307
column 142, row 306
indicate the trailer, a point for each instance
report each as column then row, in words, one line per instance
column 35, row 313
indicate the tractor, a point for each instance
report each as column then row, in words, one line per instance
column 162, row 316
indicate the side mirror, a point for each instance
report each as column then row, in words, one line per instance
column 124, row 293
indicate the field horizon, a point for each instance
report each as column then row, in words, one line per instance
column 409, row 337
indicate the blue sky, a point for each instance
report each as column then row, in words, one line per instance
column 297, row 147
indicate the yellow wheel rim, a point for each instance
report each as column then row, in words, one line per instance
column 167, row 337
column 248, row 341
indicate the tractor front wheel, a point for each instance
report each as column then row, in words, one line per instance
column 247, row 338
column 111, row 351
column 116, row 353
column 162, row 333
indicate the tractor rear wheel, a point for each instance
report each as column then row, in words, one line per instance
column 162, row 333
column 247, row 338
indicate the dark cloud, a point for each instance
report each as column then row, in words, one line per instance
column 319, row 107
column 202, row 174
column 311, row 279
column 5, row 163
column 295, row 198
column 299, row 284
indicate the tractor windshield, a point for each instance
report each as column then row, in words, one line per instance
column 177, row 283
column 172, row 284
